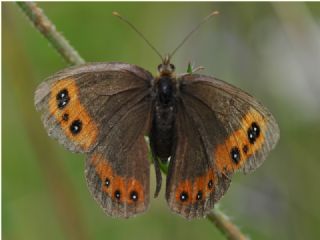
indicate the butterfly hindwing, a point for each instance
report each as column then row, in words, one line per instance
column 117, row 171
column 193, row 183
column 77, row 102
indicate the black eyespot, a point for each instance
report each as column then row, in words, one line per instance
column 245, row 149
column 253, row 132
column 210, row 184
column 62, row 98
column 134, row 196
column 65, row 117
column 117, row 194
column 76, row 127
column 107, row 182
column 235, row 155
column 184, row 196
column 199, row 195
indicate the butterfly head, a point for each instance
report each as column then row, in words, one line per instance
column 166, row 68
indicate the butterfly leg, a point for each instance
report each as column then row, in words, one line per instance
column 158, row 176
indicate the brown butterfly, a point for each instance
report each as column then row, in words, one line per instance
column 203, row 128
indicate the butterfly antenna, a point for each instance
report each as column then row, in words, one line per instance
column 137, row 31
column 193, row 30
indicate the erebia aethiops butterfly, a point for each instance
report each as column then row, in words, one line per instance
column 204, row 128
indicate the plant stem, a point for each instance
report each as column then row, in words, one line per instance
column 43, row 24
column 47, row 28
column 224, row 224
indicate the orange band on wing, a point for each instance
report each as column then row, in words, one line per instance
column 189, row 192
column 233, row 153
column 118, row 188
column 71, row 114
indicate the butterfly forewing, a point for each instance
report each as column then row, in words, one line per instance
column 76, row 103
column 250, row 129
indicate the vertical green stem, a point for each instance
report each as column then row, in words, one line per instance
column 225, row 225
column 47, row 28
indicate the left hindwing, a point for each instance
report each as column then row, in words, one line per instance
column 193, row 182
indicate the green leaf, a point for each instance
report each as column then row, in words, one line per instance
column 189, row 69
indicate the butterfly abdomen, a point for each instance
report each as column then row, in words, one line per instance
column 163, row 122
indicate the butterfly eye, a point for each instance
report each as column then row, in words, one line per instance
column 159, row 67
column 172, row 67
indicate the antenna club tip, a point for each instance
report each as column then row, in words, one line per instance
column 215, row 13
column 114, row 13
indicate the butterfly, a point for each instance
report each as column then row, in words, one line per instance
column 203, row 128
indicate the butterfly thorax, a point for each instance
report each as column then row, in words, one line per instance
column 163, row 122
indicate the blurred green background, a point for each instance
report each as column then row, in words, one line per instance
column 271, row 50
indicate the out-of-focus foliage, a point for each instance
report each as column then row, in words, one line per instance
column 271, row 50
